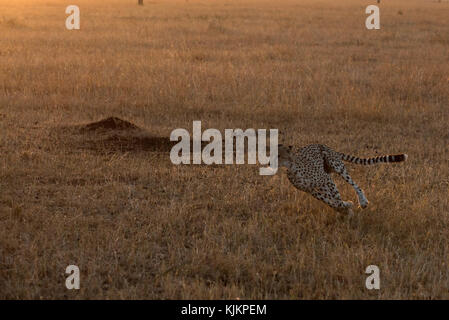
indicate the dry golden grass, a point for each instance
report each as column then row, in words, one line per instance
column 140, row 227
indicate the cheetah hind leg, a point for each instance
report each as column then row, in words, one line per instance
column 363, row 201
column 340, row 169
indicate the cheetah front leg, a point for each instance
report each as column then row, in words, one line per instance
column 329, row 194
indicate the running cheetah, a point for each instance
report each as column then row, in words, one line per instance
column 309, row 169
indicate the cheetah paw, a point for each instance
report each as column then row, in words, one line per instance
column 348, row 204
column 348, row 207
column 363, row 203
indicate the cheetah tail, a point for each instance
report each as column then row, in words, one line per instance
column 367, row 161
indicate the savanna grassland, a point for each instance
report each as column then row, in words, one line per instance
column 140, row 227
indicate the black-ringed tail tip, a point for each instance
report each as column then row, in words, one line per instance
column 380, row 159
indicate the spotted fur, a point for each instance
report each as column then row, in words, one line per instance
column 309, row 169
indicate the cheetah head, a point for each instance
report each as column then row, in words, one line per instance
column 284, row 155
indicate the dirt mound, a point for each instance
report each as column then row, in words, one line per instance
column 117, row 135
column 110, row 135
column 111, row 123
